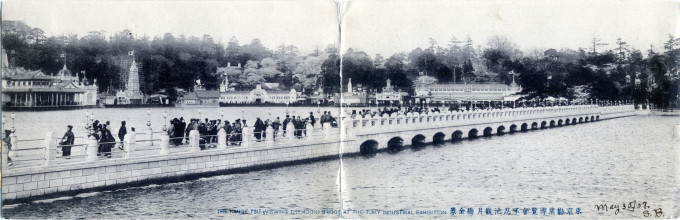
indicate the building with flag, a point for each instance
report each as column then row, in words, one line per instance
column 34, row 90
column 132, row 93
column 124, row 63
column 131, row 82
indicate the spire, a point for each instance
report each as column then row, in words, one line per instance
column 349, row 85
column 133, row 66
column 64, row 72
column 85, row 81
column 133, row 80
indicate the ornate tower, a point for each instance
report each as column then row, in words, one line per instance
column 133, row 82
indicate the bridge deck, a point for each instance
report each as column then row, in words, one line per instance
column 34, row 179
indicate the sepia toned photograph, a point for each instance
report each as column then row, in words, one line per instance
column 340, row 109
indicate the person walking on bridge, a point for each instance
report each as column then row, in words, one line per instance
column 311, row 118
column 7, row 141
column 227, row 129
column 171, row 130
column 259, row 127
column 122, row 131
column 67, row 142
column 275, row 125
column 107, row 141
column 285, row 123
column 179, row 131
column 322, row 119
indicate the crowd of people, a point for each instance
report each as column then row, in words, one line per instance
column 385, row 111
column 179, row 132
column 102, row 133
column 208, row 129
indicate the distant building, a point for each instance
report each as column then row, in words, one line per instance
column 448, row 93
column 259, row 95
column 352, row 97
column 26, row 88
column 132, row 93
column 200, row 97
column 318, row 96
column 124, row 64
column 389, row 96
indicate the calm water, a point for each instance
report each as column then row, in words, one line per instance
column 612, row 161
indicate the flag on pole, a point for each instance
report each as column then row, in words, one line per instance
column 131, row 53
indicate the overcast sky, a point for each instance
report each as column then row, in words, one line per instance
column 306, row 24
column 384, row 27
column 387, row 27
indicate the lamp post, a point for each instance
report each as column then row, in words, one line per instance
column 87, row 122
column 91, row 126
column 148, row 118
column 199, row 115
column 92, row 118
column 165, row 117
column 13, row 117
column 318, row 109
column 287, row 103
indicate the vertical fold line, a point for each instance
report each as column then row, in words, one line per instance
column 339, row 4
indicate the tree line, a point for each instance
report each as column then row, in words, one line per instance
column 169, row 62
column 619, row 72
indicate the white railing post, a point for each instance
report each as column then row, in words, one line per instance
column 222, row 139
column 130, row 142
column 290, row 132
column 165, row 144
column 270, row 136
column 50, row 149
column 246, row 137
column 326, row 130
column 14, row 142
column 92, row 148
column 346, row 129
column 149, row 136
column 310, row 132
column 194, row 141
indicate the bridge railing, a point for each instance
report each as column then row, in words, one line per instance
column 435, row 119
column 45, row 152
column 48, row 151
